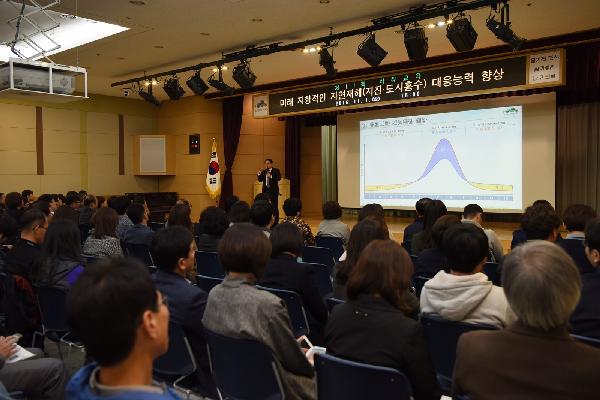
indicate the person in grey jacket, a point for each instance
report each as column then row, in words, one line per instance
column 237, row 309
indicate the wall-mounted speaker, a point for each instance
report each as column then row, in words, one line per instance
column 194, row 144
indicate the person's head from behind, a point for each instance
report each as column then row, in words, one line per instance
column 52, row 203
column 262, row 196
column 362, row 234
column 292, row 207
column 592, row 241
column 383, row 270
column 73, row 200
column 174, row 250
column 540, row 222
column 90, row 201
column 466, row 248
column 441, row 226
column 137, row 214
column 27, row 195
column 9, row 229
column 576, row 216
column 62, row 241
column 230, row 201
column 102, row 201
column 180, row 215
column 34, row 225
column 213, row 221
column 542, row 284
column 542, row 202
column 119, row 204
column 420, row 206
column 261, row 213
column 332, row 210
column 372, row 210
column 473, row 212
column 61, row 199
column 116, row 311
column 105, row 222
column 286, row 238
column 240, row 212
column 13, row 200
column 43, row 206
column 433, row 210
column 244, row 250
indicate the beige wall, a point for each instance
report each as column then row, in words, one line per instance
column 310, row 171
column 80, row 145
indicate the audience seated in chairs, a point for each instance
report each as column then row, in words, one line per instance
column 465, row 293
column 180, row 215
column 239, row 212
column 9, row 230
column 103, row 241
column 473, row 214
column 534, row 358
column 14, row 206
column 261, row 215
column 60, row 263
column 27, row 250
column 229, row 202
column 374, row 326
column 237, row 309
column 432, row 261
column 70, row 210
column 576, row 217
column 585, row 320
column 541, row 222
column 292, row 208
column 90, row 204
column 424, row 240
column 27, row 196
column 139, row 233
column 331, row 224
column 51, row 200
column 120, row 205
column 173, row 251
column 372, row 210
column 417, row 226
column 211, row 226
column 285, row 272
column 520, row 236
column 116, row 311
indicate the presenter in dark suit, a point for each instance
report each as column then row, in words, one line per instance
column 270, row 178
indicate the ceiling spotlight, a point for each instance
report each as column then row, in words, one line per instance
column 311, row 49
column 220, row 85
column 503, row 32
column 196, row 84
column 148, row 96
column 326, row 61
column 415, row 42
column 371, row 52
column 243, row 75
column 173, row 89
column 461, row 34
column 441, row 23
column 431, row 26
column 220, row 68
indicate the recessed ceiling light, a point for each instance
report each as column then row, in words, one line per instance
column 137, row 2
column 256, row 20
column 120, row 58
column 159, row 46
column 324, row 1
column 204, row 34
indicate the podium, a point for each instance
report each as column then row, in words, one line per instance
column 284, row 192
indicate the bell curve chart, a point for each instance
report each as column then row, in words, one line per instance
column 457, row 157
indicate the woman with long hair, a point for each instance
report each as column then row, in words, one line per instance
column 424, row 240
column 103, row 241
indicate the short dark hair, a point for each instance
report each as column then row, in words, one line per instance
column 89, row 200
column 25, row 193
column 539, row 221
column 373, row 210
column 269, row 160
column 230, row 201
column 576, row 216
column 105, row 306
column 262, row 196
column 32, row 218
column 592, row 234
column 465, row 246
column 169, row 245
column 61, row 197
column 244, row 248
column 286, row 237
column 105, row 221
column 261, row 213
column 441, row 226
column 332, row 210
column 139, row 199
column 180, row 214
column 420, row 205
column 471, row 210
column 136, row 212
column 542, row 202
column 13, row 200
column 292, row 206
column 9, row 229
column 119, row 204
column 240, row 212
column 213, row 221
column 72, row 197
column 43, row 206
column 48, row 198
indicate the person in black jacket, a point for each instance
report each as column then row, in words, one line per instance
column 575, row 218
column 373, row 326
column 285, row 272
column 174, row 253
column 270, row 177
column 417, row 226
column 210, row 228
column 432, row 261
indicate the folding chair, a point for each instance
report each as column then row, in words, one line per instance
column 332, row 302
column 84, row 231
column 491, row 270
column 335, row 244
column 207, row 264
column 294, row 308
column 319, row 255
column 140, row 252
column 323, row 280
column 587, row 340
column 339, row 379
column 243, row 368
column 155, row 226
column 206, row 283
column 418, row 283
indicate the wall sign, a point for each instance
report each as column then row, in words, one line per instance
column 489, row 76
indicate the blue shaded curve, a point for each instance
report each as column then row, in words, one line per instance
column 443, row 151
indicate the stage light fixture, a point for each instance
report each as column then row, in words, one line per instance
column 243, row 75
column 196, row 84
column 461, row 34
column 173, row 89
column 326, row 61
column 220, row 85
column 371, row 52
column 503, row 31
column 416, row 43
column 148, row 96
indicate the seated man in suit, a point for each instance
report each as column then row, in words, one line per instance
column 575, row 217
column 174, row 253
column 139, row 233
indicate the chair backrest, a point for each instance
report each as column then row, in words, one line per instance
column 243, row 368
column 155, row 226
column 414, row 258
column 140, row 252
column 339, row 379
column 90, row 259
column 84, row 231
column 53, row 311
column 207, row 264
column 179, row 360
column 491, row 270
column 335, row 244
column 319, row 255
column 295, row 310
column 588, row 340
column 332, row 302
column 418, row 282
column 442, row 337
column 323, row 279
column 206, row 283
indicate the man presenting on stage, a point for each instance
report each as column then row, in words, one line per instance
column 270, row 178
